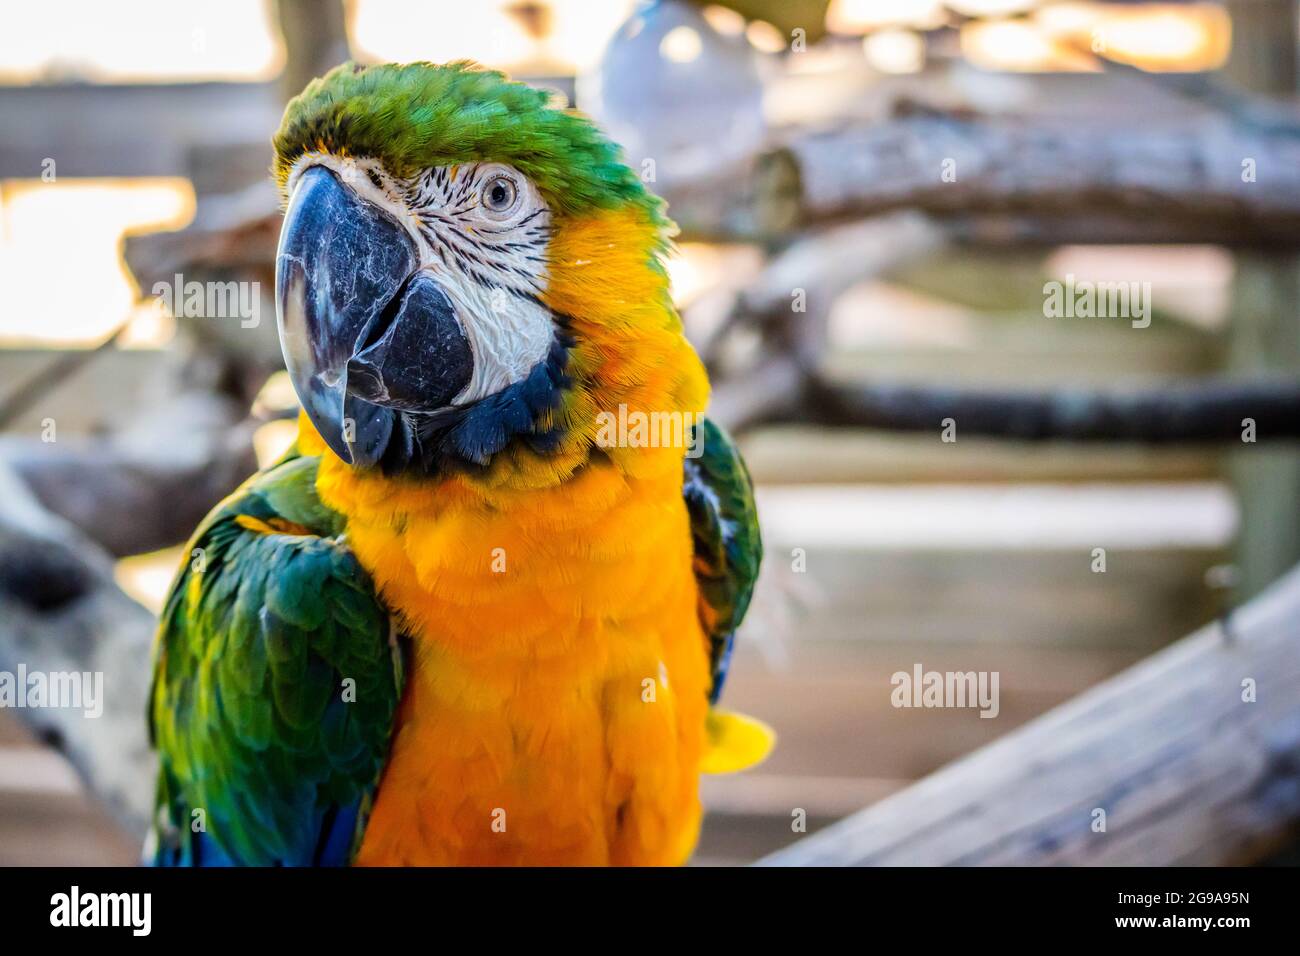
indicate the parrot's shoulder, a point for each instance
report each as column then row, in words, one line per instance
column 276, row 681
column 284, row 492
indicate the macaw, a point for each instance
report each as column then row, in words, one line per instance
column 467, row 619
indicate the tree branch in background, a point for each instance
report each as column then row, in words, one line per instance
column 148, row 486
column 62, row 367
column 1202, row 178
column 1210, row 411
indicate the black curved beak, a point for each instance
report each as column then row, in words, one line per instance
column 365, row 335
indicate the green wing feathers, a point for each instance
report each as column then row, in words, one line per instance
column 276, row 681
column 728, row 548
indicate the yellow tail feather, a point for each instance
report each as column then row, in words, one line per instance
column 735, row 742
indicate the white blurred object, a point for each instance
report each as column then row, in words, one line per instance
column 991, row 8
column 1021, row 46
column 998, row 517
column 672, row 89
column 854, row 17
column 895, row 51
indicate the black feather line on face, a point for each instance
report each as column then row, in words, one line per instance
column 439, row 206
column 468, row 182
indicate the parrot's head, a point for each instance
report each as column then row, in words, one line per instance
column 467, row 277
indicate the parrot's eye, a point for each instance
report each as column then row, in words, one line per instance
column 500, row 196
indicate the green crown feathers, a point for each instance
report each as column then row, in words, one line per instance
column 416, row 115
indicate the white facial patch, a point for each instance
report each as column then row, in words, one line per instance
column 481, row 229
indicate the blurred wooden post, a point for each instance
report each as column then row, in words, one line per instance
column 1264, row 335
column 1264, row 338
column 315, row 40
column 1263, row 56
column 1191, row 764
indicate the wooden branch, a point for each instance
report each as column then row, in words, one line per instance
column 231, row 235
column 1209, row 411
column 793, row 316
column 62, row 612
column 798, row 284
column 1186, row 770
column 1190, row 169
column 55, row 373
column 147, row 487
column 770, row 392
column 826, row 262
column 1016, row 179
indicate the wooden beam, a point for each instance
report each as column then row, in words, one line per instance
column 145, row 487
column 1187, row 771
column 1209, row 410
column 1016, row 180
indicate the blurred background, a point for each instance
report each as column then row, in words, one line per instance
column 873, row 196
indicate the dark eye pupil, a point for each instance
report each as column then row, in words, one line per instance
column 500, row 194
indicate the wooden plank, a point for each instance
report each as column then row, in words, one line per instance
column 45, row 829
column 788, row 454
column 1145, row 600
column 1187, row 771
column 779, row 795
column 13, row 733
column 841, row 745
column 46, row 818
column 829, row 703
column 1024, row 365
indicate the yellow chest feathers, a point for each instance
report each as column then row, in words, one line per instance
column 556, row 703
